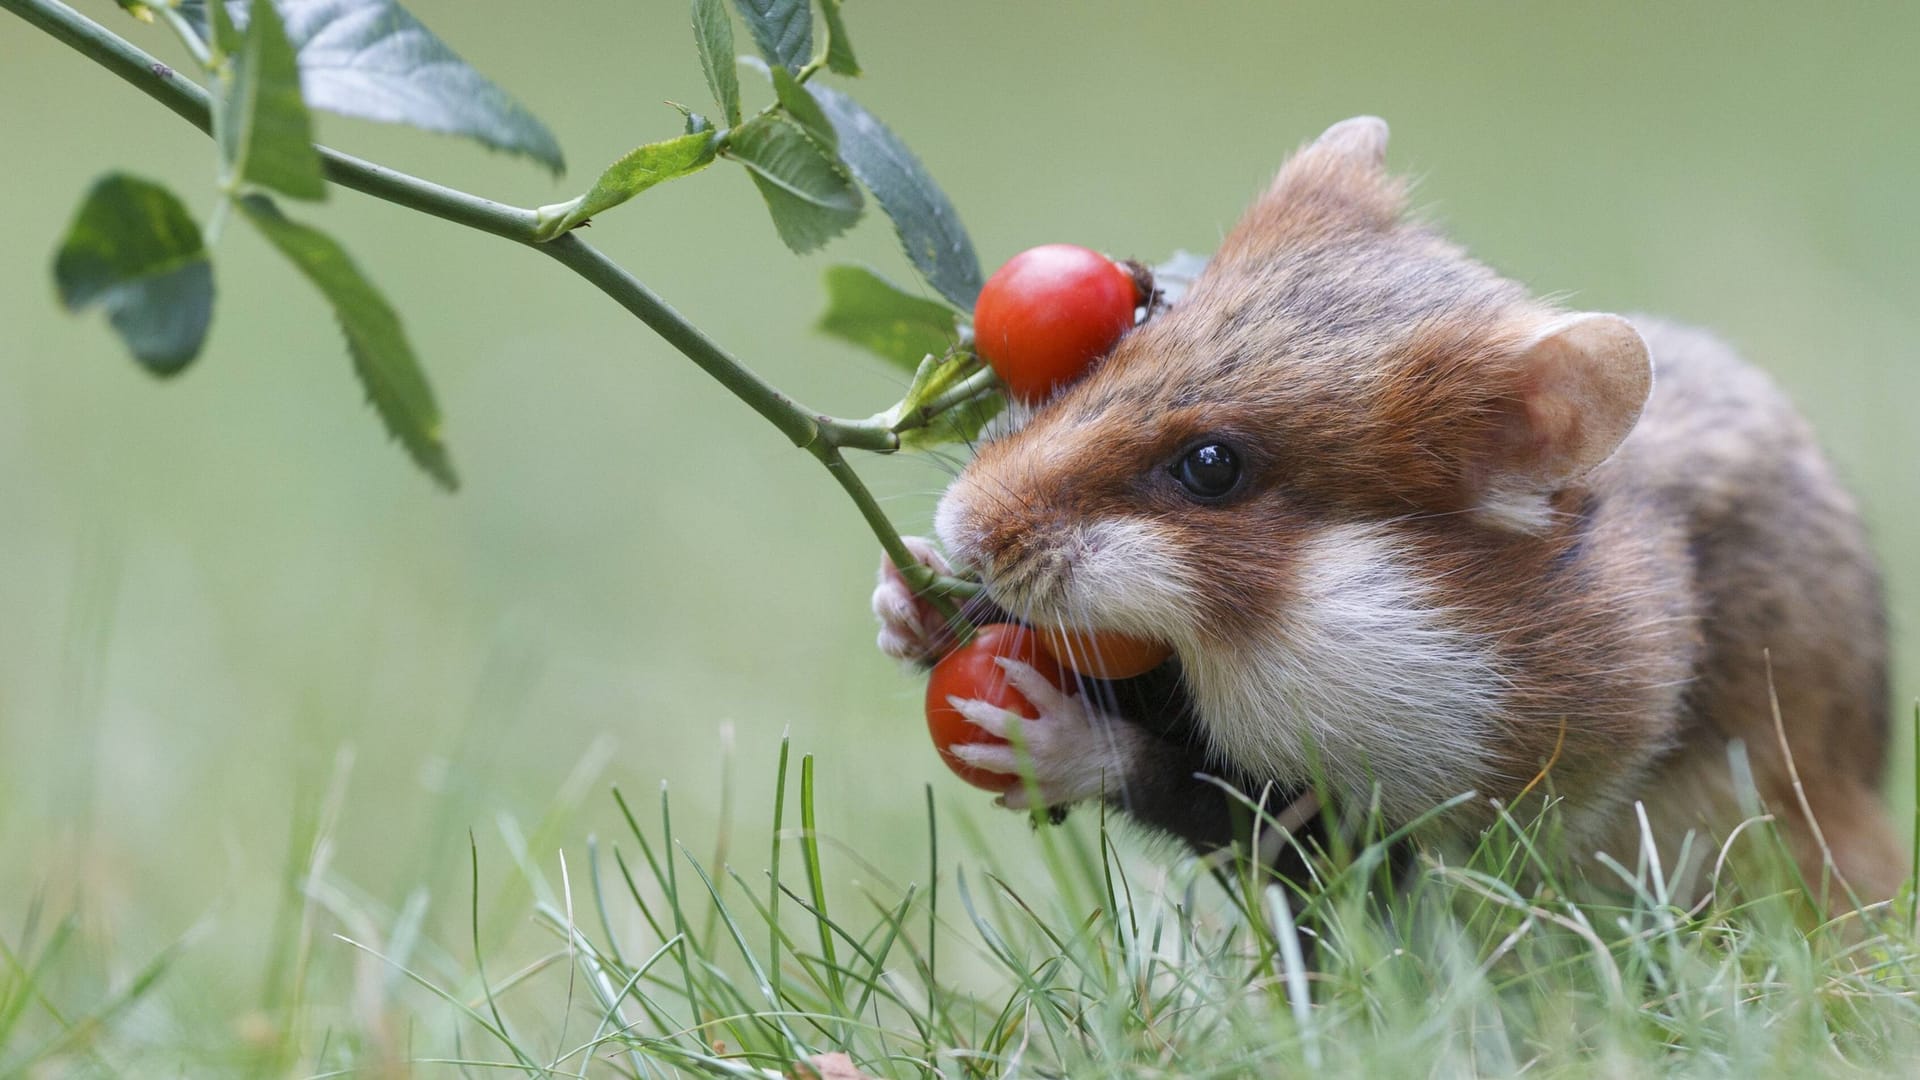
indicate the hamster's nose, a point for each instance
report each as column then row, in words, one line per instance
column 1015, row 548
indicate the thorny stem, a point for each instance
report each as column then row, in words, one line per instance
column 821, row 435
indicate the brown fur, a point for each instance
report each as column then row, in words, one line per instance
column 1371, row 374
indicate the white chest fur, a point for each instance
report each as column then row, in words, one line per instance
column 1363, row 679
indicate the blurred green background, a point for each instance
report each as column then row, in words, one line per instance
column 210, row 587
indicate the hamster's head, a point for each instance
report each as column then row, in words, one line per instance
column 1228, row 478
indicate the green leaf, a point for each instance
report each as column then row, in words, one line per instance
column 840, row 59
column 960, row 424
column 373, row 60
column 262, row 126
column 960, row 394
column 134, row 250
column 639, row 170
column 929, row 227
column 713, row 36
column 139, row 9
column 216, row 25
column 867, row 310
column 807, row 190
column 802, row 108
column 381, row 356
column 782, row 28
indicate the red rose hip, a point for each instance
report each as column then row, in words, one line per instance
column 969, row 672
column 1103, row 654
column 1048, row 314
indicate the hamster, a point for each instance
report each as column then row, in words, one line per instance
column 1417, row 532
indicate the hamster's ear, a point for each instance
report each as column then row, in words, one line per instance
column 1359, row 143
column 1583, row 380
column 1335, row 184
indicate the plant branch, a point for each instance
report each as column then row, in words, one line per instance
column 111, row 51
column 796, row 423
column 821, row 435
column 191, row 102
column 919, row 576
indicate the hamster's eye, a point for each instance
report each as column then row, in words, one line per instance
column 1208, row 470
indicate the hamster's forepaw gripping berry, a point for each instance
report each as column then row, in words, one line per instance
column 911, row 629
column 1074, row 752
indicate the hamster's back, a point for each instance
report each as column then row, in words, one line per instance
column 1783, row 581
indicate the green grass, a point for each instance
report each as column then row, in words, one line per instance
column 657, row 956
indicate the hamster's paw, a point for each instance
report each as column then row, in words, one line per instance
column 911, row 629
column 1076, row 753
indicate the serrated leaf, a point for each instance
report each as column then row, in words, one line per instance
column 928, row 225
column 713, row 36
column 261, row 125
column 783, row 29
column 133, row 249
column 634, row 173
column 382, row 358
column 804, row 226
column 807, row 190
column 871, row 312
column 840, row 59
column 373, row 60
column 801, row 106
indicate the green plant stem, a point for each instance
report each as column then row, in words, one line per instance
column 919, row 576
column 859, row 434
column 821, row 435
column 114, row 53
column 515, row 223
column 191, row 102
column 796, row 423
column 183, row 32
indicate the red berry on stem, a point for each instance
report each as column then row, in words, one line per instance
column 1048, row 314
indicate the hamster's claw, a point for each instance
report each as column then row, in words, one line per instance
column 988, row 717
column 911, row 629
column 1035, row 687
column 986, row 756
